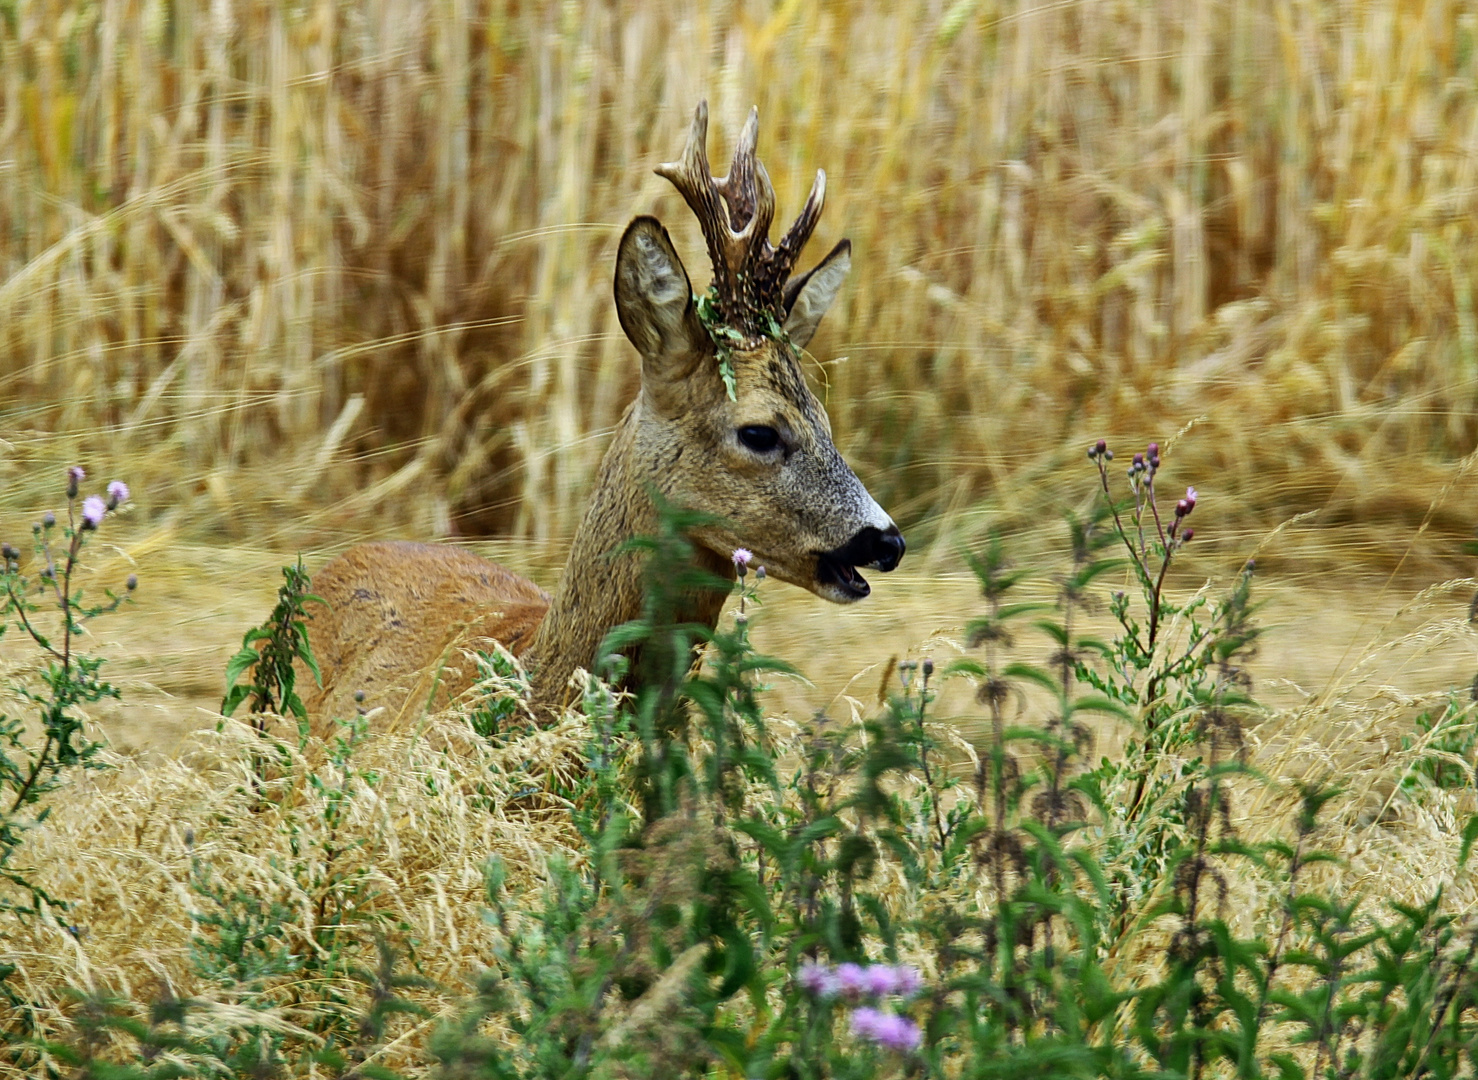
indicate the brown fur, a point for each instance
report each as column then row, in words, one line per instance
column 394, row 612
column 397, row 612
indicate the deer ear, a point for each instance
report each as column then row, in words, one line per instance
column 808, row 297
column 654, row 301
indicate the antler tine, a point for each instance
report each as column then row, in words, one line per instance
column 747, row 188
column 690, row 175
column 800, row 230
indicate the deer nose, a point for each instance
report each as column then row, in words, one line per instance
column 883, row 548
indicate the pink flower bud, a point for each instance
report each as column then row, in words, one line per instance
column 1185, row 537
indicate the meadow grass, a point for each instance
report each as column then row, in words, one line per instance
column 249, row 877
column 307, row 270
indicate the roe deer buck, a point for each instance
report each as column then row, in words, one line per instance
column 760, row 457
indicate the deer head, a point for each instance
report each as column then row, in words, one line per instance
column 725, row 421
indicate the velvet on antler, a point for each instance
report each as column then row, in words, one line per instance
column 735, row 213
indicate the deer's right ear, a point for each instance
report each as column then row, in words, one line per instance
column 654, row 301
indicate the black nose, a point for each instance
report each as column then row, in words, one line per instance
column 879, row 549
column 890, row 548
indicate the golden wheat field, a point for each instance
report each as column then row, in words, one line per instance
column 308, row 272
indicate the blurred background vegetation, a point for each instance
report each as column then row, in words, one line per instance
column 310, row 270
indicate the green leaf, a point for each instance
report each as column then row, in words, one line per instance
column 1011, row 611
column 1056, row 631
column 1470, row 834
column 239, row 663
column 726, row 372
column 1032, row 674
column 234, row 697
column 1095, row 703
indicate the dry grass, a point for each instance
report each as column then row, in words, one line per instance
column 301, row 268
column 129, row 850
column 125, row 847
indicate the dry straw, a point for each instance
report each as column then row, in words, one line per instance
column 306, row 265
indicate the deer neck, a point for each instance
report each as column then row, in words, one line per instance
column 600, row 590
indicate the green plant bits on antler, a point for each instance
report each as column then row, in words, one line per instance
column 724, row 338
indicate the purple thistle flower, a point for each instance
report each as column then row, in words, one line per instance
column 93, row 509
column 818, row 980
column 882, row 980
column 741, row 559
column 852, row 980
column 75, row 476
column 865, row 1021
column 910, row 982
column 887, row 1030
column 897, row 1033
column 1190, row 498
column 117, row 493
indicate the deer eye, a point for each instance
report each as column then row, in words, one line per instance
column 759, row 438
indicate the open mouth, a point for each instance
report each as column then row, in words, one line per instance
column 843, row 576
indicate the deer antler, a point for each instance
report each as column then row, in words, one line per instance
column 735, row 213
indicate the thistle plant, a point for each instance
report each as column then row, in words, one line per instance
column 42, row 603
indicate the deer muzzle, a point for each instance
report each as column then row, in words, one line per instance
column 871, row 547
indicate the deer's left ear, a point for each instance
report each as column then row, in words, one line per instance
column 808, row 297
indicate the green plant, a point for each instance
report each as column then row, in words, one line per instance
column 270, row 651
column 61, row 687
